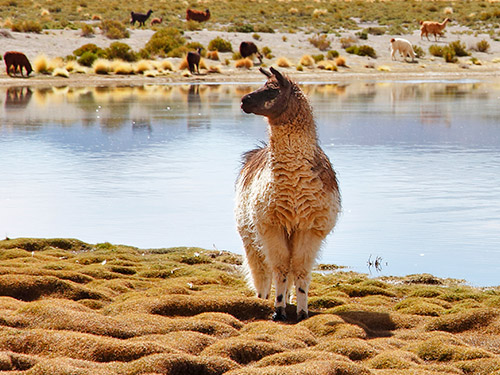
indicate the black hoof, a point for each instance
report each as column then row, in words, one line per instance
column 279, row 314
column 302, row 315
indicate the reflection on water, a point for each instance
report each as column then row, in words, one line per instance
column 154, row 166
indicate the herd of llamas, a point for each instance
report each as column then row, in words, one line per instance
column 287, row 193
column 16, row 61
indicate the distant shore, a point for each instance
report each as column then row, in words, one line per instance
column 61, row 43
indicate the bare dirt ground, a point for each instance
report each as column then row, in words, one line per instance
column 60, row 43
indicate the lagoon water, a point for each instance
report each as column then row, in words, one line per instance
column 418, row 164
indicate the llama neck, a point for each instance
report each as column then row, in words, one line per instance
column 293, row 134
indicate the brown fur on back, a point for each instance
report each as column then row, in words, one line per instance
column 197, row 15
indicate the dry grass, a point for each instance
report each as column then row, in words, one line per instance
column 283, row 62
column 243, row 63
column 67, row 307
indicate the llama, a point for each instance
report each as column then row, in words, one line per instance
column 197, row 15
column 156, row 21
column 17, row 60
column 430, row 27
column 193, row 59
column 403, row 47
column 140, row 17
column 248, row 49
column 287, row 196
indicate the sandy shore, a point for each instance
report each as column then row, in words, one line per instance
column 60, row 43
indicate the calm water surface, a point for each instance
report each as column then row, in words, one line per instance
column 154, row 166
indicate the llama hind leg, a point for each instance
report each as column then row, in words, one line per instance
column 305, row 247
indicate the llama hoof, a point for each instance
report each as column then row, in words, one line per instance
column 302, row 315
column 279, row 314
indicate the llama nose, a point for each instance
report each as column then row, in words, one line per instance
column 246, row 103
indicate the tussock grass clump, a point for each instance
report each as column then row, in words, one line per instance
column 333, row 326
column 101, row 66
column 178, row 364
column 30, row 288
column 246, row 63
column 60, row 72
column 41, row 65
column 121, row 68
column 354, row 349
column 283, row 62
column 435, row 349
column 423, row 278
column 213, row 55
column 394, row 359
column 297, row 332
column 241, row 308
column 242, row 350
column 318, row 367
column 463, row 321
column 299, row 356
column 422, row 306
column 307, row 60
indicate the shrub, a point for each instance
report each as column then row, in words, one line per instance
column 164, row 41
column 263, row 28
column 241, row 28
column 266, row 51
column 419, row 52
column 376, row 30
column 449, row 54
column 436, row 50
column 89, row 47
column 318, row 58
column 114, row 29
column 306, row 60
column 347, row 42
column 256, row 36
column 27, row 27
column 367, row 51
column 363, row 34
column 87, row 59
column 483, row 46
column 119, row 50
column 332, row 54
column 87, row 30
column 219, row 44
column 283, row 62
column 320, row 41
column 459, row 48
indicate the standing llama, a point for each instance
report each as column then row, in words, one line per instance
column 430, row 27
column 287, row 196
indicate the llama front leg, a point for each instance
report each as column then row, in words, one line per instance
column 255, row 265
column 305, row 247
column 275, row 248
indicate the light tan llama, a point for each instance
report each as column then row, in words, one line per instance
column 431, row 27
column 287, row 196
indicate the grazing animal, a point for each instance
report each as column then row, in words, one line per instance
column 403, row 47
column 140, row 17
column 287, row 195
column 156, row 21
column 197, row 15
column 430, row 27
column 193, row 59
column 248, row 49
column 17, row 60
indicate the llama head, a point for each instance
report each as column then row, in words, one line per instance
column 271, row 99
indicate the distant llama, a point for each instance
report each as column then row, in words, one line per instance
column 156, row 21
column 247, row 49
column 287, row 195
column 140, row 17
column 197, row 15
column 15, row 61
column 193, row 59
column 430, row 27
column 402, row 46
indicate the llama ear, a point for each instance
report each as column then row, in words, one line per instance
column 281, row 80
column 265, row 72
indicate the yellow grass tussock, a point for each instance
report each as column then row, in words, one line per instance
column 327, row 65
column 214, row 69
column 45, row 12
column 307, row 60
column 297, row 332
column 101, row 66
column 299, row 356
column 60, row 72
column 41, row 64
column 319, row 367
column 243, row 63
column 122, row 67
column 340, row 61
column 319, row 12
column 142, row 66
column 354, row 349
column 283, row 62
column 213, row 55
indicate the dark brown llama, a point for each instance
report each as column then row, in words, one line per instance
column 17, row 60
column 193, row 59
column 140, row 17
column 248, row 49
